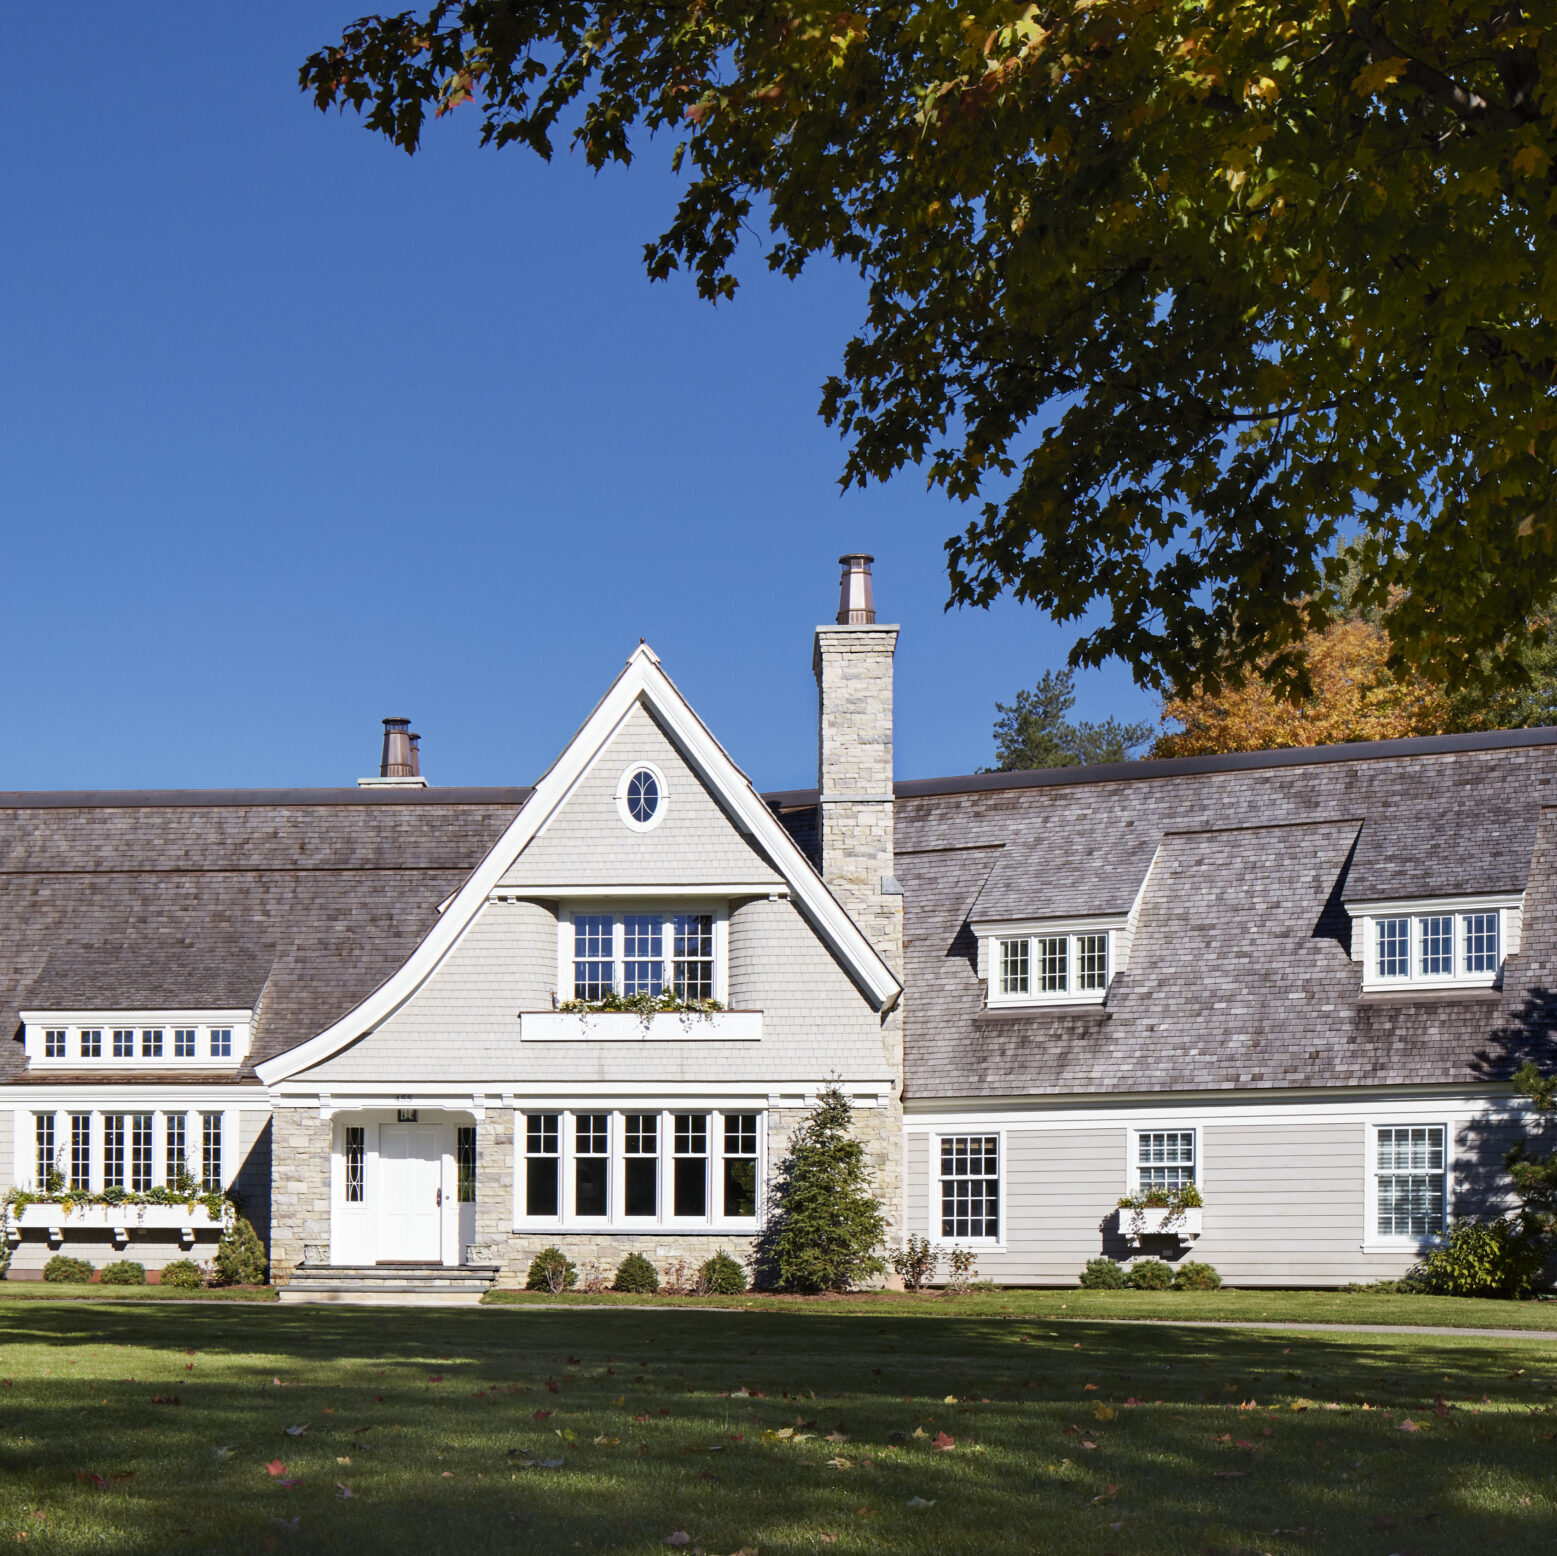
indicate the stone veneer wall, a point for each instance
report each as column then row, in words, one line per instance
column 662, row 1247
column 300, row 1187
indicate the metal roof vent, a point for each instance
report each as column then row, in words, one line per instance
column 400, row 760
column 856, row 598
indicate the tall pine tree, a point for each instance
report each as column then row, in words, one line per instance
column 827, row 1225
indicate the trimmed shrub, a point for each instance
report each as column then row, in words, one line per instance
column 551, row 1270
column 1483, row 1259
column 68, row 1271
column 1151, row 1275
column 915, row 1261
column 240, row 1256
column 1194, row 1276
column 184, row 1274
column 124, row 1272
column 636, row 1274
column 1103, row 1275
column 722, row 1275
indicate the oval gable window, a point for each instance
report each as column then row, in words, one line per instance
column 641, row 796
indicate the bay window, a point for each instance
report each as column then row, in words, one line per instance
column 640, row 1168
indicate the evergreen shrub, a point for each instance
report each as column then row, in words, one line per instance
column 183, row 1274
column 124, row 1272
column 1104, row 1275
column 240, row 1256
column 827, row 1225
column 1151, row 1275
column 637, row 1275
column 722, row 1275
column 68, row 1271
column 551, row 1270
column 1194, row 1276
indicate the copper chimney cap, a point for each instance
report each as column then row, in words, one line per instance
column 416, row 754
column 398, row 759
column 856, row 599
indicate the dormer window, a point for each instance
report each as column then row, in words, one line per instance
column 1434, row 944
column 138, row 1040
column 1049, row 964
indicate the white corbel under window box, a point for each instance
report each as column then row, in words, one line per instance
column 1159, row 1222
column 629, row 1026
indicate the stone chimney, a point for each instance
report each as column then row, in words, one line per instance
column 853, row 664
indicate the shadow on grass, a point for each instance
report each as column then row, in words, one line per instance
column 1075, row 1437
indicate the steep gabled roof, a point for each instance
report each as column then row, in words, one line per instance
column 642, row 681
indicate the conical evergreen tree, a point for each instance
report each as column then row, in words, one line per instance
column 827, row 1226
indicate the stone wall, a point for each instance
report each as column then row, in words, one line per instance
column 300, row 1187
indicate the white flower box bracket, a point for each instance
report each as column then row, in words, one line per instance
column 1136, row 1224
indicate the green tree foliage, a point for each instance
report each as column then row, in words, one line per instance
column 1178, row 294
column 240, row 1256
column 827, row 1225
column 1498, row 1258
column 1532, row 1162
column 1034, row 732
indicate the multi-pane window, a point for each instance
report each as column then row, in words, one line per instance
column 151, row 1042
column 221, row 1042
column 356, row 1164
column 465, row 1164
column 638, row 1168
column 542, row 1132
column 113, row 1150
column 43, row 1135
column 1051, row 968
column 183, row 1042
column 154, row 1045
column 591, row 1164
column 693, row 958
column 91, row 1043
column 211, row 1152
column 690, row 1162
column 140, row 1152
column 175, row 1147
column 1015, row 977
column 970, row 1186
column 594, row 956
column 641, row 1164
column 740, row 1165
column 1437, row 947
column 1410, row 1180
column 124, row 1043
column 54, row 1043
column 1165, row 1158
column 81, row 1150
column 643, row 953
column 1481, row 942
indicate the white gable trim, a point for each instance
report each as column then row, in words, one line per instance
column 641, row 681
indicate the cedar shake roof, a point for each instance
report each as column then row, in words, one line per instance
column 1240, row 974
column 295, row 903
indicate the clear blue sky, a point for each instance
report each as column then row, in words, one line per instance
column 296, row 431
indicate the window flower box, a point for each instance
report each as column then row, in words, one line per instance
column 57, row 1217
column 1159, row 1221
column 630, row 1026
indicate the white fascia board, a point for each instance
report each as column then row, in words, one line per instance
column 125, row 1016
column 531, row 1094
column 1017, row 928
column 716, row 892
column 132, row 1096
column 641, row 678
column 1402, row 907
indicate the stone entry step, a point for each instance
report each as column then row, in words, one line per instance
column 387, row 1285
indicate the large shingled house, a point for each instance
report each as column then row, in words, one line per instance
column 1299, row 980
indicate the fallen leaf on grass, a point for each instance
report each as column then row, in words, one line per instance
column 540, row 1415
column 166, row 1399
column 1103, row 1412
column 295, row 1431
column 1104, row 1496
column 1408, row 1425
column 287, row 1485
column 225, row 1453
column 943, row 1443
column 840, row 1464
column 607, row 1442
column 678, row 1537
column 951, row 1399
column 275, row 1467
column 345, row 1491
column 836, row 1437
column 343, row 1459
column 435, row 1377
column 1086, row 1444
column 920, row 1502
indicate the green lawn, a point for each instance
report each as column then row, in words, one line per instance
column 1306, row 1307
column 157, row 1428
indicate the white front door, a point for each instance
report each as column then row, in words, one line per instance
column 410, row 1158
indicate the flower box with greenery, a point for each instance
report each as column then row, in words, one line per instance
column 180, row 1204
column 1161, row 1212
column 639, row 1018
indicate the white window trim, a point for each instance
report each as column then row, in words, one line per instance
column 1371, row 913
column 994, row 933
column 1133, row 1135
column 616, row 908
column 37, row 1022
column 1373, row 1241
column 933, row 1191
column 621, row 797
column 614, row 1220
